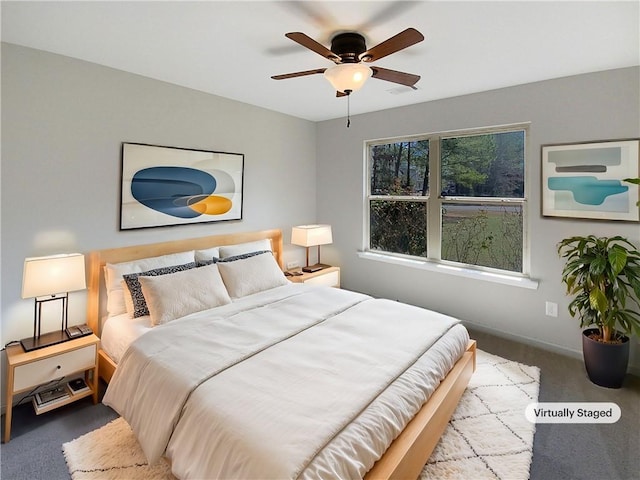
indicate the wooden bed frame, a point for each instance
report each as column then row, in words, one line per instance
column 409, row 452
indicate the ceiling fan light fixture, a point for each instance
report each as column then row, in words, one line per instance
column 348, row 76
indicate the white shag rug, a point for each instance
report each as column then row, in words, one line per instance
column 488, row 436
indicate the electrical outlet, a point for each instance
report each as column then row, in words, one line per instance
column 292, row 265
column 551, row 309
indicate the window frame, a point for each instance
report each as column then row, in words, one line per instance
column 434, row 203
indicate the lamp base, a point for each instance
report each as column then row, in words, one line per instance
column 315, row 268
column 46, row 340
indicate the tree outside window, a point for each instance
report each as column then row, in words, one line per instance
column 480, row 209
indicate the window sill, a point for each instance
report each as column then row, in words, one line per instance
column 522, row 282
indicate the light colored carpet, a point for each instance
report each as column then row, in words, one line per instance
column 487, row 438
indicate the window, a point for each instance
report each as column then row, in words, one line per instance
column 478, row 218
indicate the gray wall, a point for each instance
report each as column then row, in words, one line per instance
column 63, row 122
column 595, row 106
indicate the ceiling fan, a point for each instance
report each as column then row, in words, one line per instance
column 349, row 53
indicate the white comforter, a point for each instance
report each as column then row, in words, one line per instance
column 260, row 389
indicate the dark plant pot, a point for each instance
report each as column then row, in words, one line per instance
column 606, row 363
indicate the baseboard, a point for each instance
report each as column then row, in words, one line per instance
column 551, row 347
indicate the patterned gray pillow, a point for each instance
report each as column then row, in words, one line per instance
column 139, row 304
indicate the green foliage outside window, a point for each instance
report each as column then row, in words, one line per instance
column 400, row 168
column 399, row 227
column 485, row 233
column 483, row 165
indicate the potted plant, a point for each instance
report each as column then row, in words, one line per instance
column 603, row 276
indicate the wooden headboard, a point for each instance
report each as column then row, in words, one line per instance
column 96, row 302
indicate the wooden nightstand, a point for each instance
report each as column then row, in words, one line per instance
column 28, row 370
column 327, row 276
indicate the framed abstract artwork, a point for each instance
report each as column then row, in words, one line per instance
column 587, row 180
column 164, row 186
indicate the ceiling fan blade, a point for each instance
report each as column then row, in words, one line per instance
column 408, row 79
column 311, row 44
column 298, row 74
column 404, row 39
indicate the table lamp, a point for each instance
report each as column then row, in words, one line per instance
column 48, row 279
column 311, row 236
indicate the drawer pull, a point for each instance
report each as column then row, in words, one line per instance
column 58, row 367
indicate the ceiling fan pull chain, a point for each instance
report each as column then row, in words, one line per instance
column 348, row 92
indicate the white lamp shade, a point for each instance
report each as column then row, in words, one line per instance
column 53, row 274
column 347, row 76
column 311, row 235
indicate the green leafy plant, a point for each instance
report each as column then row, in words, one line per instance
column 603, row 276
column 635, row 181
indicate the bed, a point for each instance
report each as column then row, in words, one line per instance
column 345, row 431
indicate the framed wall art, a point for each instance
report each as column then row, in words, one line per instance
column 586, row 180
column 163, row 186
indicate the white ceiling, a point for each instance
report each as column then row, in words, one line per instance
column 231, row 49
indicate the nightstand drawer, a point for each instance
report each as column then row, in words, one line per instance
column 329, row 279
column 47, row 369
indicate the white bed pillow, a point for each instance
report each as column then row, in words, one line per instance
column 242, row 248
column 133, row 290
column 178, row 294
column 207, row 255
column 251, row 275
column 113, row 273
